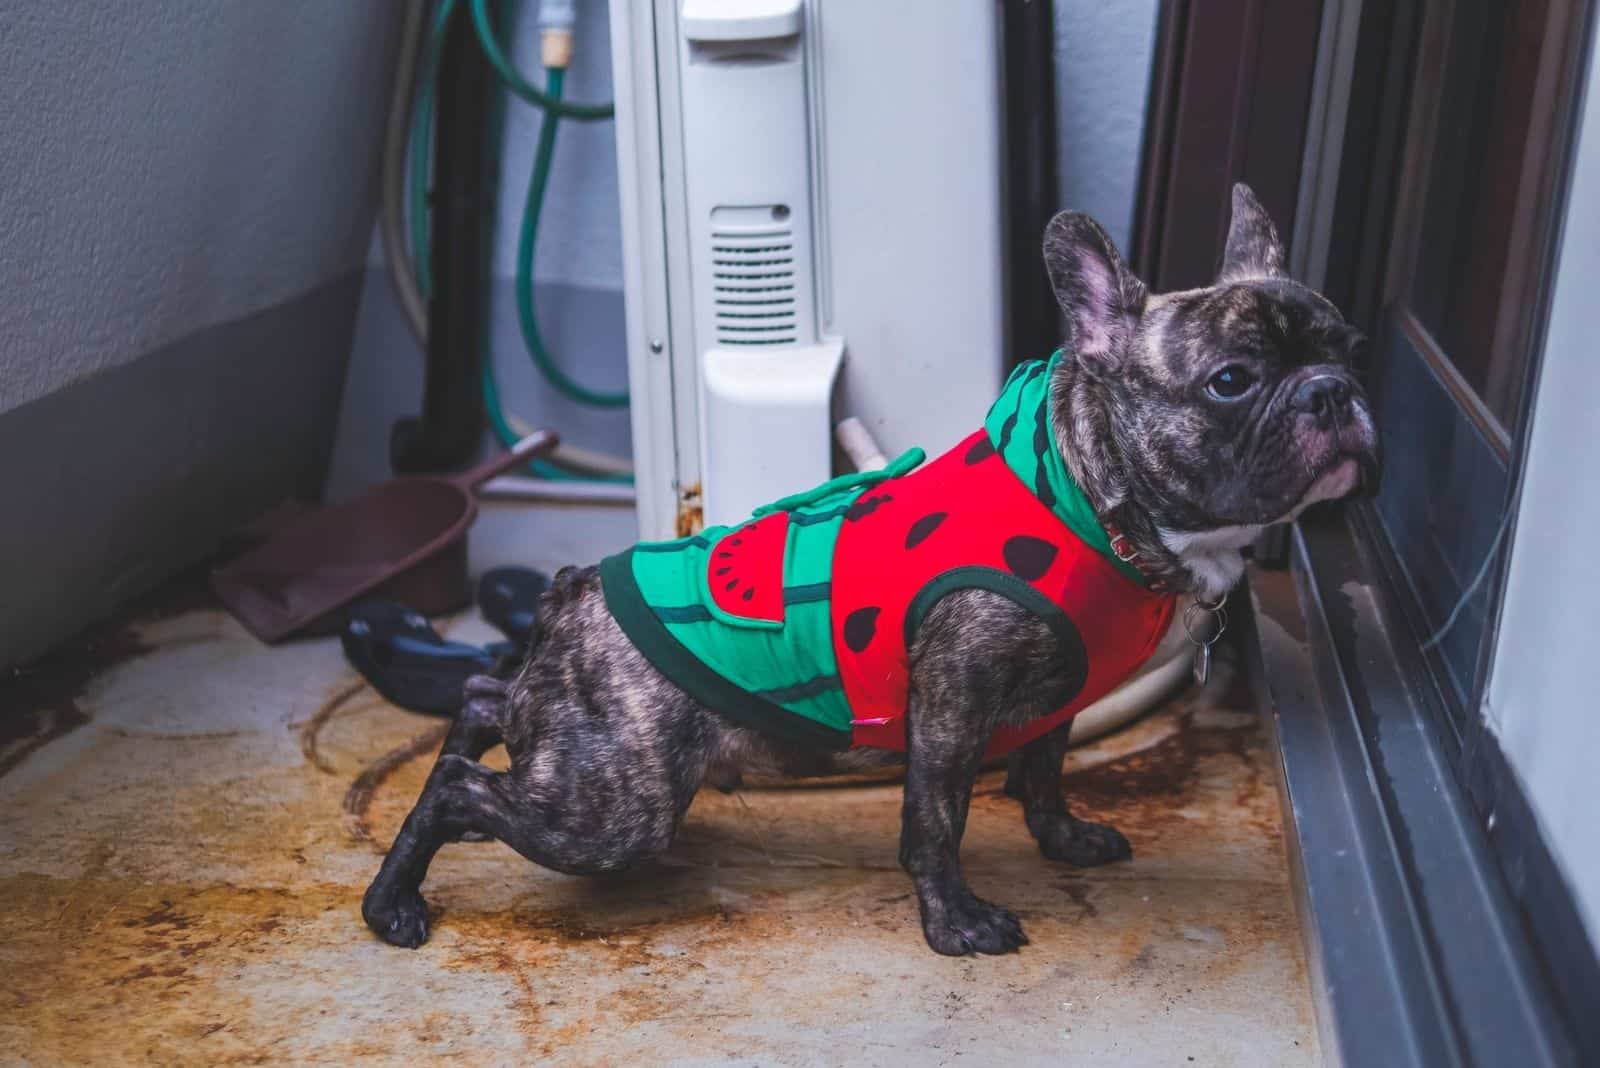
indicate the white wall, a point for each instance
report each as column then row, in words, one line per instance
column 186, row 191
column 170, row 166
column 1542, row 695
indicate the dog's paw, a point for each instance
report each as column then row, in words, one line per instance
column 968, row 924
column 1081, row 843
column 400, row 919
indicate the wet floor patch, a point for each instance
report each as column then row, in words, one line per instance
column 183, row 869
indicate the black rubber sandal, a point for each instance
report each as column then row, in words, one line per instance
column 410, row 663
column 508, row 597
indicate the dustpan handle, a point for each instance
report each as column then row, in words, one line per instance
column 540, row 441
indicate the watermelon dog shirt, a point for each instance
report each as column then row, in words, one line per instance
column 797, row 622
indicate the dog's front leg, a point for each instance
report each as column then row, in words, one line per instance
column 945, row 743
column 1034, row 778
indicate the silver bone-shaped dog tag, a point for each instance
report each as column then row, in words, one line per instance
column 1202, row 664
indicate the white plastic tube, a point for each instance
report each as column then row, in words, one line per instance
column 520, row 488
column 397, row 128
column 858, row 444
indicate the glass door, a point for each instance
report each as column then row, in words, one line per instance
column 1458, row 168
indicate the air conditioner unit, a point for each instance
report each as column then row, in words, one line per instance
column 812, row 221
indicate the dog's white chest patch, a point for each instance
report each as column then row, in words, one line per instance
column 1212, row 556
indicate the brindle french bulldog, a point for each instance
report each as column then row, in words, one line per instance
column 1190, row 421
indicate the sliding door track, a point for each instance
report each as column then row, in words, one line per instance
column 1418, row 952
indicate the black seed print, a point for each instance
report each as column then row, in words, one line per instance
column 723, row 571
column 1028, row 557
column 981, row 450
column 1005, row 430
column 1042, row 490
column 1010, row 424
column 922, row 528
column 865, row 506
column 748, row 594
column 734, row 582
column 725, row 554
column 859, row 627
column 1041, row 449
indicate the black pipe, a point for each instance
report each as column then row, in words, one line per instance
column 449, row 433
column 1031, row 187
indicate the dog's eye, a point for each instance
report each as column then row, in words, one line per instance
column 1230, row 383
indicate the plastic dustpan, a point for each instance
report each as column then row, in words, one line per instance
column 404, row 540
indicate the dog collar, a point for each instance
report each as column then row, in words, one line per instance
column 1123, row 549
column 1202, row 641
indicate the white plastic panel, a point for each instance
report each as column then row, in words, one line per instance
column 644, row 154
column 764, row 425
column 765, row 384
column 858, row 144
column 748, row 177
column 740, row 20
column 909, row 140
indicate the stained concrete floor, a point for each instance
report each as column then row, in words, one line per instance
column 188, row 819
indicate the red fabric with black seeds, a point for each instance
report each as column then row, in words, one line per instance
column 745, row 572
column 965, row 509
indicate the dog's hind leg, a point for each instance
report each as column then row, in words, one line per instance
column 605, row 757
column 579, row 803
column 477, row 727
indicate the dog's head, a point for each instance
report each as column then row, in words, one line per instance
column 1209, row 413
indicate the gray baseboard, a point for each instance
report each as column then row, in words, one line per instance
column 115, row 483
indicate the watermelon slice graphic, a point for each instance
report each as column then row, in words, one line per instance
column 745, row 571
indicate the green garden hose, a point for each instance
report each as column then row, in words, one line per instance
column 551, row 101
column 544, row 155
column 527, row 243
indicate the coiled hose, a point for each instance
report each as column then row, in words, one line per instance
column 600, row 466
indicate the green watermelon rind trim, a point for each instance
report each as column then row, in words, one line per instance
column 656, row 643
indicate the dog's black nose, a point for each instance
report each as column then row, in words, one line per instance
column 1321, row 395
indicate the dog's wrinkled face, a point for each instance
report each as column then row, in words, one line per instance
column 1214, row 410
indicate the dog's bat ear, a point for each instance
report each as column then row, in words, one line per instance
column 1253, row 249
column 1101, row 297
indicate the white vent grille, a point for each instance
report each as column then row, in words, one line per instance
column 754, row 285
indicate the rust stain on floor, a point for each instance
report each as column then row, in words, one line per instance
column 183, row 869
column 358, row 799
